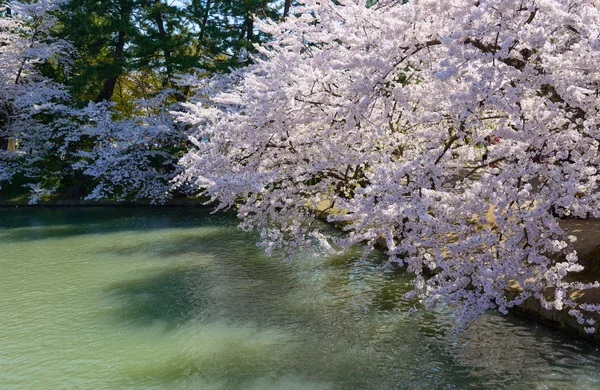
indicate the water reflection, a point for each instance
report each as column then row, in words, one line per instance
column 136, row 298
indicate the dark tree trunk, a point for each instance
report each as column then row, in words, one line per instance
column 111, row 82
column 286, row 8
column 249, row 27
column 162, row 36
column 3, row 124
column 204, row 21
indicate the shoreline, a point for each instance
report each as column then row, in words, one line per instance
column 103, row 203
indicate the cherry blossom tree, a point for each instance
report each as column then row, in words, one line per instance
column 79, row 152
column 28, row 99
column 456, row 133
column 134, row 157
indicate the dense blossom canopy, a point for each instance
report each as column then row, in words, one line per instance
column 456, row 132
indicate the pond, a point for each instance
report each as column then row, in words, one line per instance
column 158, row 298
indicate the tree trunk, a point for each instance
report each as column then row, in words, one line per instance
column 286, row 8
column 111, row 82
column 249, row 27
column 162, row 36
column 204, row 21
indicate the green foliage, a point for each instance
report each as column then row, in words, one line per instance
column 118, row 40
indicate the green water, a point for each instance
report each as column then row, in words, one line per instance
column 180, row 299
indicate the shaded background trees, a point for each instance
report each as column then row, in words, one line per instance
column 61, row 60
column 119, row 40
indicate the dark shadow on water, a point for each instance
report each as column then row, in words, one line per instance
column 235, row 285
column 172, row 297
column 223, row 276
column 232, row 282
column 216, row 242
column 40, row 223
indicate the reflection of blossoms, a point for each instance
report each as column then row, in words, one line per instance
column 302, row 129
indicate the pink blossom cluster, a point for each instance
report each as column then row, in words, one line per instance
column 455, row 132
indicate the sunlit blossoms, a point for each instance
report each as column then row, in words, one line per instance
column 133, row 158
column 454, row 132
